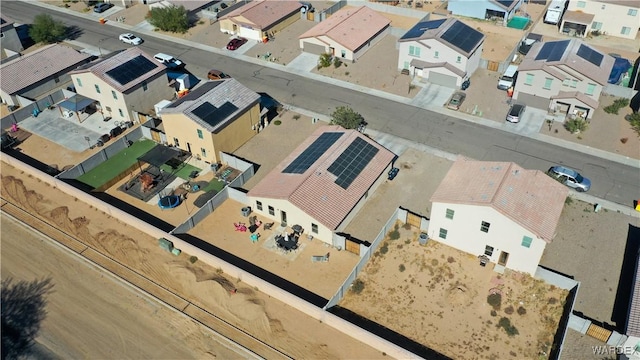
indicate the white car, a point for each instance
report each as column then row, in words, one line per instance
column 130, row 39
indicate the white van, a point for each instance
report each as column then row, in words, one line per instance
column 508, row 79
column 169, row 61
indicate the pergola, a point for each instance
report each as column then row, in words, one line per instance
column 158, row 156
column 76, row 103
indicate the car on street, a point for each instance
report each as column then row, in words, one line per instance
column 169, row 61
column 214, row 74
column 515, row 113
column 130, row 39
column 393, row 173
column 102, row 7
column 235, row 43
column 570, row 177
column 456, row 100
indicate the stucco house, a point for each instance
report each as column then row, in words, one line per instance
column 565, row 76
column 37, row 73
column 9, row 35
column 347, row 34
column 444, row 51
column 260, row 18
column 618, row 18
column 127, row 85
column 485, row 9
column 218, row 116
column 324, row 182
column 498, row 210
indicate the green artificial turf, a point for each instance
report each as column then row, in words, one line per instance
column 214, row 185
column 183, row 171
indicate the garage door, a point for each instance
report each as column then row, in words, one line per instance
column 250, row 34
column 313, row 48
column 442, row 79
column 533, row 101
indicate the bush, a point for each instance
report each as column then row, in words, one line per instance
column 495, row 300
column 634, row 119
column 357, row 286
column 617, row 105
column 173, row 18
column 505, row 323
column 346, row 117
column 46, row 30
column 521, row 310
column 324, row 61
column 337, row 62
column 193, row 259
column 509, row 310
column 401, row 268
column 384, row 248
column 576, row 125
column 394, row 235
column 494, row 313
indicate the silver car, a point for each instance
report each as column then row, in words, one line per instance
column 570, row 177
column 515, row 113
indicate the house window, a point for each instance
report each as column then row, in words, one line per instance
column 625, row 30
column 414, row 51
column 436, row 54
column 200, row 134
column 459, row 59
column 443, row 233
column 314, row 228
column 79, row 82
column 108, row 108
column 259, row 205
column 406, row 65
column 115, row 96
column 484, row 226
column 526, row 241
column 97, row 89
column 343, row 53
column 176, row 142
column 596, row 25
column 203, row 151
column 120, row 112
column 581, row 4
column 590, row 89
column 547, row 83
column 56, row 79
column 272, row 211
column 574, row 83
column 603, row 6
column 144, row 86
column 632, row 12
column 450, row 214
column 488, row 250
column 566, row 82
column 529, row 79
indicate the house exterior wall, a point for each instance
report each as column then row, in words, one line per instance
column 463, row 233
column 328, row 43
column 284, row 22
column 610, row 18
column 478, row 8
column 254, row 32
column 10, row 38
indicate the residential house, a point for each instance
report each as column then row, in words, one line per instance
column 260, row 18
column 347, row 34
column 323, row 183
column 9, row 35
column 503, row 10
column 631, row 347
column 618, row 18
column 37, row 73
column 498, row 210
column 127, row 85
column 218, row 116
column 564, row 76
column 444, row 51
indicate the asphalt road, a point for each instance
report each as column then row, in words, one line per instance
column 610, row 180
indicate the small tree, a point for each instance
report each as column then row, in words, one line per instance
column 346, row 117
column 324, row 60
column 576, row 125
column 173, row 18
column 46, row 30
column 634, row 119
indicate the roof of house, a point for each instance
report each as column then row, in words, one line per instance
column 580, row 96
column 126, row 69
column 578, row 17
column 633, row 322
column 190, row 5
column 574, row 54
column 420, row 64
column 263, row 13
column 507, row 5
column 350, row 27
column 214, row 104
column 327, row 174
column 451, row 32
column 530, row 198
column 39, row 65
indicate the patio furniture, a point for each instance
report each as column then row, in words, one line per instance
column 254, row 237
column 240, row 227
column 268, row 226
column 323, row 258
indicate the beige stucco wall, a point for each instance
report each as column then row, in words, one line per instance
column 612, row 16
column 328, row 43
column 256, row 32
column 463, row 233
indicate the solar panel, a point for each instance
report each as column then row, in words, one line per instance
column 311, row 154
column 131, row 70
column 418, row 29
column 213, row 115
column 553, row 51
column 352, row 161
column 590, row 55
column 505, row 3
column 462, row 36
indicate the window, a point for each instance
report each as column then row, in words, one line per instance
column 625, row 30
column 414, row 51
column 79, row 82
column 581, row 4
column 314, row 228
column 56, row 79
column 450, row 214
column 547, row 83
column 603, row 6
column 259, row 205
column 272, row 211
column 176, row 142
column 1, row 35
column 203, row 151
column 406, row 65
column 343, row 53
column 108, row 108
column 529, row 79
column 144, row 86
column 115, row 96
column 526, row 241
column 200, row 134
column 590, row 89
column 596, row 25
column 459, row 59
column 443, row 233
column 632, row 12
column 97, row 89
column 120, row 112
column 484, row 227
column 566, row 82
column 436, row 54
column 488, row 250
column 574, row 83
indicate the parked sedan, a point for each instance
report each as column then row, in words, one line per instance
column 235, row 43
column 102, row 7
column 130, row 39
column 217, row 75
column 456, row 100
column 515, row 113
column 570, row 177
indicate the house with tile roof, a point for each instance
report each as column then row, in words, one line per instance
column 9, row 35
column 347, row 34
column 37, row 73
column 503, row 10
column 324, row 182
column 619, row 18
column 498, row 210
column 127, row 85
column 258, row 19
column 564, row 76
column 218, row 116
column 444, row 51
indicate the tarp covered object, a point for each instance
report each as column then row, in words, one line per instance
column 620, row 66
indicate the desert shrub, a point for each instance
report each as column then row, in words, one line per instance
column 357, row 286
column 450, row 259
column 505, row 323
column 174, row 19
column 324, row 61
column 384, row 248
column 193, row 259
column 394, row 235
column 521, row 310
column 634, row 119
column 494, row 313
column 277, row 122
column 552, row 301
column 508, row 310
column 568, row 201
column 495, row 300
column 576, row 125
column 296, row 117
column 617, row 105
column 337, row 62
column 401, row 268
column 406, row 226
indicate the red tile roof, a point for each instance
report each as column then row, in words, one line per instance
column 528, row 197
column 350, row 27
column 263, row 13
column 315, row 191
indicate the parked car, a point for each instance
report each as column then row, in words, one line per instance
column 515, row 113
column 570, row 177
column 393, row 173
column 169, row 61
column 102, row 7
column 456, row 100
column 217, row 75
column 235, row 43
column 130, row 39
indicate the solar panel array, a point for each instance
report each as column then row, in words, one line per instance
column 462, row 36
column 131, row 70
column 311, row 154
column 421, row 27
column 590, row 55
column 505, row 3
column 553, row 51
column 352, row 161
column 212, row 115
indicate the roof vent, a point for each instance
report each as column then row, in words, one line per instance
column 323, row 198
column 516, row 172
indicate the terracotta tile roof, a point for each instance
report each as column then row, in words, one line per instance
column 578, row 17
column 435, row 29
column 39, row 65
column 633, row 322
column 421, row 64
column 263, row 13
column 315, row 191
column 579, row 96
column 101, row 68
column 528, row 197
column 350, row 27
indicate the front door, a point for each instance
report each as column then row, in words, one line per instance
column 504, row 256
column 283, row 218
column 188, row 147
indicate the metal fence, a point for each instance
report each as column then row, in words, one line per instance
column 26, row 111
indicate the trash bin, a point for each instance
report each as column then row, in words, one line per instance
column 246, row 211
column 423, row 239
